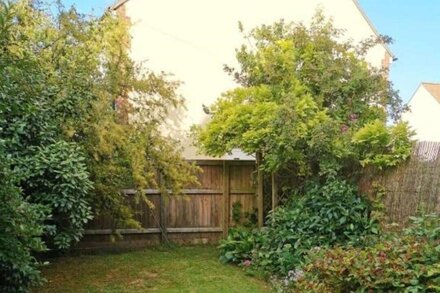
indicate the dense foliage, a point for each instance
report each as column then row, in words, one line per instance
column 239, row 245
column 57, row 178
column 325, row 216
column 309, row 103
column 79, row 121
column 21, row 229
column 409, row 263
column 317, row 113
column 35, row 103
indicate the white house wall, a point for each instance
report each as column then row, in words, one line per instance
column 424, row 116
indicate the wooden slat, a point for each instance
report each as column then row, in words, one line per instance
column 241, row 163
column 153, row 230
column 226, row 198
column 163, row 218
column 207, row 162
column 260, row 200
column 195, row 229
column 121, row 231
column 184, row 191
column 220, row 162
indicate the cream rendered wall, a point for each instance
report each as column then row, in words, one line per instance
column 424, row 116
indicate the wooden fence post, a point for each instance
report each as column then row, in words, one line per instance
column 260, row 200
column 163, row 218
column 226, row 197
column 274, row 192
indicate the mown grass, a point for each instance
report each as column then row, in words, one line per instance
column 181, row 269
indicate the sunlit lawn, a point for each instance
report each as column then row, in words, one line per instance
column 182, row 269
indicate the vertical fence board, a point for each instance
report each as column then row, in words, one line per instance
column 163, row 217
column 226, row 197
column 260, row 199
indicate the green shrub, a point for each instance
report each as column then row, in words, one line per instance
column 404, row 262
column 238, row 246
column 398, row 265
column 21, row 227
column 383, row 146
column 324, row 216
column 246, row 219
column 58, row 179
column 427, row 226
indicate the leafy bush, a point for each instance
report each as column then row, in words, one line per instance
column 395, row 263
column 238, row 246
column 58, row 179
column 21, row 227
column 383, row 146
column 426, row 226
column 324, row 216
column 38, row 102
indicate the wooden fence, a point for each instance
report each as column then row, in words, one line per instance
column 226, row 188
column 413, row 185
column 228, row 193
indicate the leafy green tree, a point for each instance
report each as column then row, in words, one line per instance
column 122, row 131
column 34, row 103
column 309, row 103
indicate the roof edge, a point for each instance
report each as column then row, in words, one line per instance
column 373, row 28
column 118, row 4
column 414, row 93
column 422, row 84
column 434, row 89
column 427, row 82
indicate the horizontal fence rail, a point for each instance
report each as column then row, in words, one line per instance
column 186, row 191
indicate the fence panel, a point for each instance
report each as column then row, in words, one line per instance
column 197, row 216
column 242, row 192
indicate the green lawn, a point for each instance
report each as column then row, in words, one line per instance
column 181, row 269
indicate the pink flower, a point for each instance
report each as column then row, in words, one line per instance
column 247, row 263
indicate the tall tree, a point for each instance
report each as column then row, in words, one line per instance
column 309, row 103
